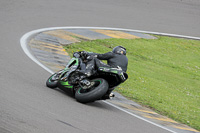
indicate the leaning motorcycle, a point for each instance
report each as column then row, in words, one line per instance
column 86, row 89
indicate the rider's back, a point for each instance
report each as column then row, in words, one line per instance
column 115, row 60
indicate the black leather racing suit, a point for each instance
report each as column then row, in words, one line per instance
column 113, row 60
column 94, row 62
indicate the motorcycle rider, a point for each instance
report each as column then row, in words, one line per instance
column 115, row 59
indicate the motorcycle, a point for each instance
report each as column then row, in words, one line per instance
column 86, row 89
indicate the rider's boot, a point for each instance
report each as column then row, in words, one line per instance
column 112, row 95
column 108, row 96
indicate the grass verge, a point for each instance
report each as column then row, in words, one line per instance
column 164, row 74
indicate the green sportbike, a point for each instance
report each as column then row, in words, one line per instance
column 86, row 89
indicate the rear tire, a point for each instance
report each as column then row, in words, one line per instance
column 100, row 89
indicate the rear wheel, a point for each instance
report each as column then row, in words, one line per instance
column 98, row 90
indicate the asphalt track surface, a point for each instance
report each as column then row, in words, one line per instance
column 27, row 105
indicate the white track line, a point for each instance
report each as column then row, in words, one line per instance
column 25, row 38
column 139, row 117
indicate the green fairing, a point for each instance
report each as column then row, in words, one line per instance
column 69, row 86
column 114, row 72
column 76, row 62
column 66, row 84
column 66, row 69
column 71, row 61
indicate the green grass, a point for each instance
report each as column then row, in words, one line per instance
column 164, row 74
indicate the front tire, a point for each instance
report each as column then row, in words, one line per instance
column 96, row 92
column 52, row 81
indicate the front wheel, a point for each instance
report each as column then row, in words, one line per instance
column 98, row 90
column 53, row 80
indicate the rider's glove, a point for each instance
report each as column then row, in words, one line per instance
column 76, row 55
